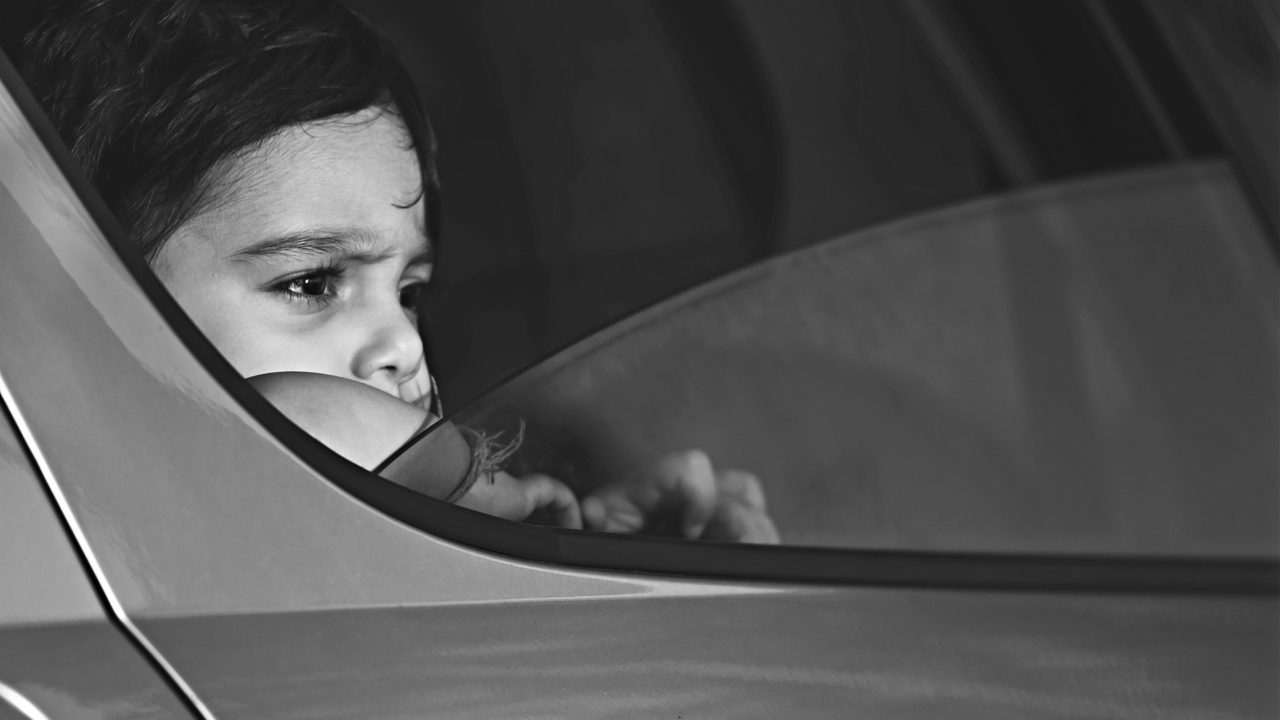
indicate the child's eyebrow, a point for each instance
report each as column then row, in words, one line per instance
column 347, row 243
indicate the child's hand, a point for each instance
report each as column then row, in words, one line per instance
column 741, row 514
column 683, row 495
column 541, row 498
column 680, row 495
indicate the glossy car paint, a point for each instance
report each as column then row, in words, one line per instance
column 268, row 592
column 42, row 577
column 60, row 656
column 846, row 654
column 83, row 670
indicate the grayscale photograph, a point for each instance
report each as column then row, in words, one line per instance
column 640, row 359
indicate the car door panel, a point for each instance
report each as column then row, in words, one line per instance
column 815, row 653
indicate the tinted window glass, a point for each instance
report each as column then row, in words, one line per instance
column 599, row 157
column 1064, row 370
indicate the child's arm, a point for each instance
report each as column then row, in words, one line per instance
column 358, row 422
column 681, row 494
column 366, row 425
column 535, row 498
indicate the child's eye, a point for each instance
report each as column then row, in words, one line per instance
column 316, row 288
column 311, row 285
column 409, row 295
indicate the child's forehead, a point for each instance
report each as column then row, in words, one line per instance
column 371, row 144
column 355, row 170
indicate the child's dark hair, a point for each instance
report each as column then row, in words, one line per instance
column 151, row 94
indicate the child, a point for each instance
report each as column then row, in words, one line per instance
column 274, row 164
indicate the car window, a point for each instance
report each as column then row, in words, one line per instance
column 1051, row 338
column 644, row 148
column 940, row 279
column 1045, row 371
column 982, row 377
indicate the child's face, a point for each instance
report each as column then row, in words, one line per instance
column 310, row 256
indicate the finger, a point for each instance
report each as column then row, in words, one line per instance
column 744, row 485
column 611, row 512
column 593, row 513
column 691, row 484
column 545, row 492
column 736, row 521
column 499, row 495
column 763, row 531
column 568, row 513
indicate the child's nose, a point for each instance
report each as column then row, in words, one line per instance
column 391, row 350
